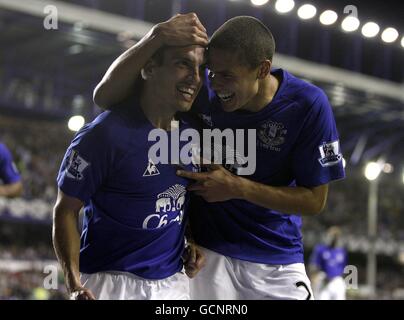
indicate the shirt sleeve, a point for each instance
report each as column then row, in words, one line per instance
column 317, row 156
column 86, row 163
column 8, row 170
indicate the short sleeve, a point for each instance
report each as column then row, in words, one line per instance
column 86, row 163
column 317, row 157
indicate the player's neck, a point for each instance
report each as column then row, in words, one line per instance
column 156, row 111
column 266, row 92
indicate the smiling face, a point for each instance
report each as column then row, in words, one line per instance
column 176, row 80
column 236, row 84
column 240, row 56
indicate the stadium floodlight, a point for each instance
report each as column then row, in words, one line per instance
column 372, row 171
column 306, row 11
column 370, row 29
column 402, row 41
column 328, row 17
column 259, row 2
column 75, row 123
column 388, row 168
column 284, row 6
column 350, row 24
column 389, row 35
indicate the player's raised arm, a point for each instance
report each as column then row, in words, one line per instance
column 66, row 241
column 121, row 76
column 220, row 185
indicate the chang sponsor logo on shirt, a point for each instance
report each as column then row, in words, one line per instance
column 168, row 209
column 330, row 154
column 75, row 166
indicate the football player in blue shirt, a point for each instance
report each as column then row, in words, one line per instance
column 10, row 178
column 327, row 264
column 132, row 241
column 250, row 227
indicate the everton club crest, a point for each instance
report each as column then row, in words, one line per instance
column 271, row 135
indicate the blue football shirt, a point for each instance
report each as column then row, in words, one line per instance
column 8, row 171
column 134, row 209
column 330, row 260
column 297, row 144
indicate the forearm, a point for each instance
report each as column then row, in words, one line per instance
column 66, row 241
column 122, row 74
column 290, row 200
column 11, row 190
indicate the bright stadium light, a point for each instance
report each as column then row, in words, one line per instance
column 350, row 24
column 259, row 2
column 370, row 29
column 402, row 41
column 306, row 11
column 388, row 168
column 75, row 123
column 328, row 17
column 389, row 35
column 284, row 6
column 372, row 171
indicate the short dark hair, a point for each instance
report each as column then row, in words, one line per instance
column 158, row 56
column 247, row 36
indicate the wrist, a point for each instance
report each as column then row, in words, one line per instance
column 157, row 35
column 73, row 282
column 73, row 286
column 241, row 188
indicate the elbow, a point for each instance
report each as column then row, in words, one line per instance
column 317, row 201
column 59, row 220
column 314, row 208
column 57, row 212
column 318, row 207
column 18, row 191
column 99, row 96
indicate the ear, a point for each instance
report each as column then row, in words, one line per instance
column 148, row 70
column 264, row 69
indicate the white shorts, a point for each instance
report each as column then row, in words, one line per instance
column 226, row 278
column 334, row 289
column 127, row 286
